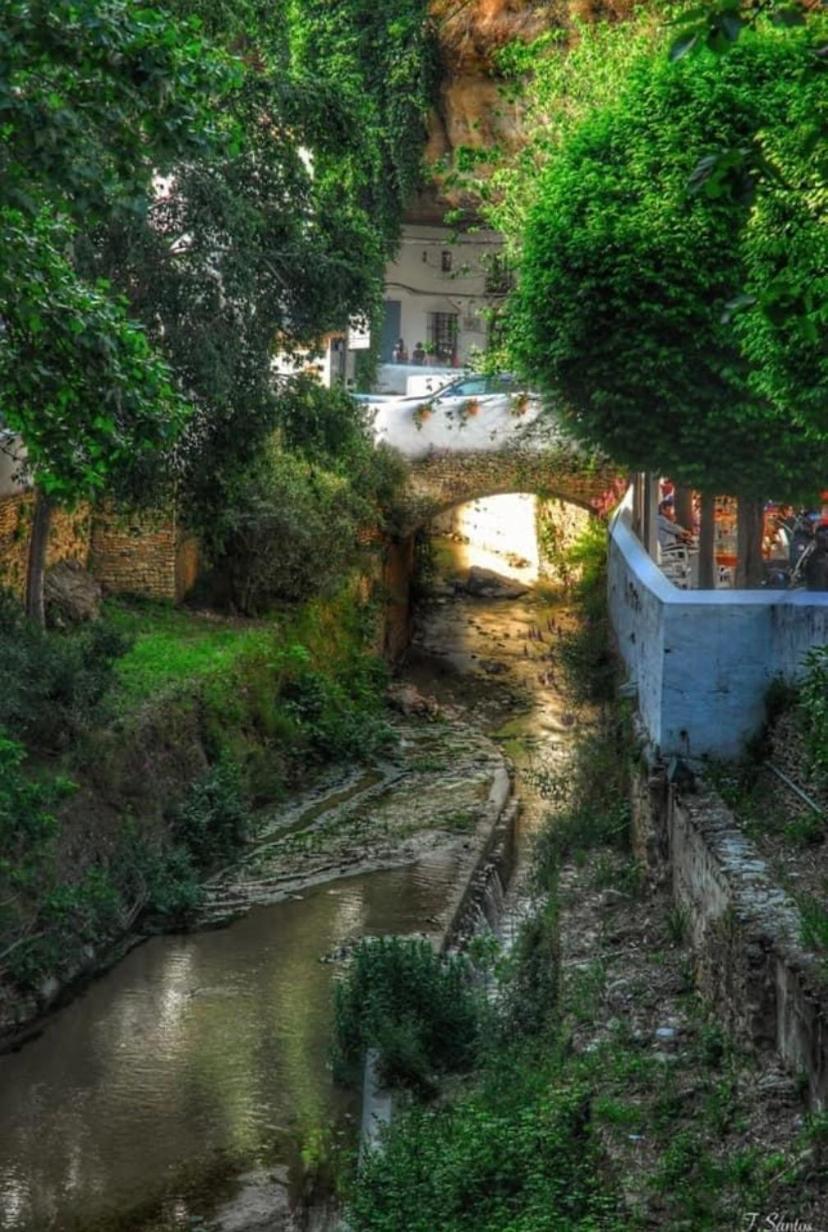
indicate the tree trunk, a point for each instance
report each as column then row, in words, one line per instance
column 707, row 542
column 749, row 568
column 651, row 491
column 36, row 574
column 684, row 507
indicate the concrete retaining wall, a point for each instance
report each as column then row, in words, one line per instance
column 702, row 661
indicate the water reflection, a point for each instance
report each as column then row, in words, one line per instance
column 198, row 1058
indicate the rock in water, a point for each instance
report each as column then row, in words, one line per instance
column 72, row 595
column 410, row 701
column 486, row 584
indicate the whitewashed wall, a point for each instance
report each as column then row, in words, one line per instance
column 702, row 661
column 416, row 279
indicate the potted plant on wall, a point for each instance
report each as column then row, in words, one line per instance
column 468, row 410
column 422, row 414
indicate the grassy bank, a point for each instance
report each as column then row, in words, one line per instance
column 118, row 815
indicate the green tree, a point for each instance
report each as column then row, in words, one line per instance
column 629, row 276
column 97, row 98
column 271, row 246
column 80, row 383
column 96, row 101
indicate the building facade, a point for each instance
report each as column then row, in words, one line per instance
column 440, row 292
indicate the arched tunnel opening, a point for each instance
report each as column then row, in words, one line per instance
column 492, row 546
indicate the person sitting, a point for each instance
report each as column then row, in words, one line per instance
column 399, row 354
column 670, row 534
column 419, row 354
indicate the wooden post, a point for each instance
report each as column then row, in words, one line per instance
column 707, row 542
column 750, row 568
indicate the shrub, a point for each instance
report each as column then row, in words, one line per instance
column 814, row 711
column 590, row 796
column 417, row 1009
column 214, row 820
column 517, row 1153
column 289, row 532
column 531, row 992
column 586, row 652
column 328, row 427
column 338, row 717
column 54, row 683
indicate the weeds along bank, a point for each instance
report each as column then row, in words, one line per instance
column 577, row 1081
column 135, row 754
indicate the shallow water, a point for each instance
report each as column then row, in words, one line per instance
column 188, row 1089
column 197, row 1059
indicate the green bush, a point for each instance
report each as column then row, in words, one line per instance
column 418, row 1010
column 214, row 820
column 590, row 797
column 337, row 717
column 289, row 532
column 54, row 683
column 328, row 427
column 531, row 991
column 813, row 705
column 586, row 651
column 515, row 1155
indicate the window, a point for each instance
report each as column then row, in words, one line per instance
column 442, row 334
column 445, row 261
column 474, row 387
column 499, row 279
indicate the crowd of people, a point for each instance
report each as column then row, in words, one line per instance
column 422, row 355
column 794, row 541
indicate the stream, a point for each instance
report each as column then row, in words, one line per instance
column 188, row 1089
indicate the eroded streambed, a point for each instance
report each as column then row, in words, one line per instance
column 189, row 1087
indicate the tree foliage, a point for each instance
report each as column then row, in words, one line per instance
column 96, row 100
column 269, row 247
column 80, row 382
column 633, row 272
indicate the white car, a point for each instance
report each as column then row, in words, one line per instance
column 473, row 412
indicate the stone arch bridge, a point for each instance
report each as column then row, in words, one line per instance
column 444, row 479
column 455, row 456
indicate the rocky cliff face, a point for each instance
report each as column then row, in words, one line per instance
column 472, row 111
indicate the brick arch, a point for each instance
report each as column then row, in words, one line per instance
column 442, row 480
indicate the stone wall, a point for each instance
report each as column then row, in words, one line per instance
column 142, row 554
column 397, row 573
column 69, row 538
column 743, row 929
column 559, row 526
column 445, row 479
column 702, row 661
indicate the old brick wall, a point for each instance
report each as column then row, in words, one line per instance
column 138, row 554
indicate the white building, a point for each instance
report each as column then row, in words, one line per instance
column 439, row 292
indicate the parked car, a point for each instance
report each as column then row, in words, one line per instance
column 473, row 412
column 489, row 391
